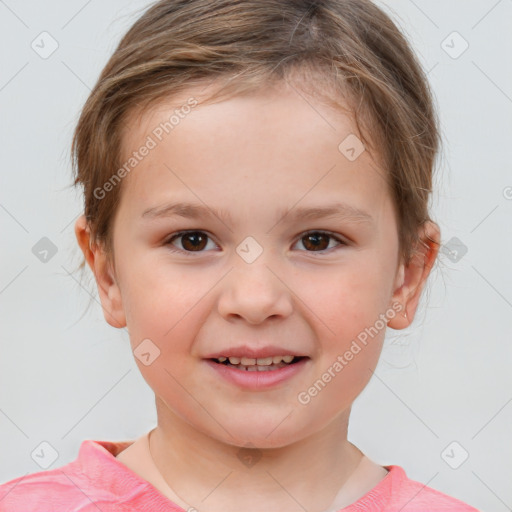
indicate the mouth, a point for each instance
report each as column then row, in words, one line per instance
column 261, row 364
column 257, row 370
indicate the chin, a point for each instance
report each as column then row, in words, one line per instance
column 264, row 433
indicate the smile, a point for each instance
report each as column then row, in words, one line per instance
column 258, row 374
column 263, row 364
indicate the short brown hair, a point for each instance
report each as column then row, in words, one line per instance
column 345, row 52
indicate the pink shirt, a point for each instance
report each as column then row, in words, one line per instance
column 97, row 482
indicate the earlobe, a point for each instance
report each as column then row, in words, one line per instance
column 108, row 289
column 412, row 277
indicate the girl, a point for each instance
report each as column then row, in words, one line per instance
column 256, row 179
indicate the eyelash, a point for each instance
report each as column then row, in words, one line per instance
column 179, row 234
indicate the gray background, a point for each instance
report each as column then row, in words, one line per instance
column 66, row 377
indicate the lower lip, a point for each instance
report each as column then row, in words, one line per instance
column 258, row 380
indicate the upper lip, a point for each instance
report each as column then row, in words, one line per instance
column 255, row 353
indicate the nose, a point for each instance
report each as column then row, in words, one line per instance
column 254, row 292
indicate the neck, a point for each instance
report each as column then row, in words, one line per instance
column 212, row 475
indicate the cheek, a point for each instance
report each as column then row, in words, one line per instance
column 349, row 302
column 167, row 308
column 346, row 298
column 157, row 296
column 164, row 315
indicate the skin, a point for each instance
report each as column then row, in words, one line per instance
column 252, row 156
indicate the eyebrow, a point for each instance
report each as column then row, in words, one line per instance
column 195, row 211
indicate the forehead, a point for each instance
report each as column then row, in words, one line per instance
column 270, row 145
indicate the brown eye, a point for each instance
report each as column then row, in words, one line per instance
column 318, row 241
column 191, row 241
column 194, row 241
column 197, row 241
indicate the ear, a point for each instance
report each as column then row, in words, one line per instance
column 411, row 277
column 108, row 289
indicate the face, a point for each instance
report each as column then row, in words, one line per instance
column 249, row 266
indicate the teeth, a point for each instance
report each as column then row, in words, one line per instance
column 261, row 361
column 257, row 368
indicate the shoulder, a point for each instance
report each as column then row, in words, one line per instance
column 77, row 486
column 409, row 495
column 51, row 490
